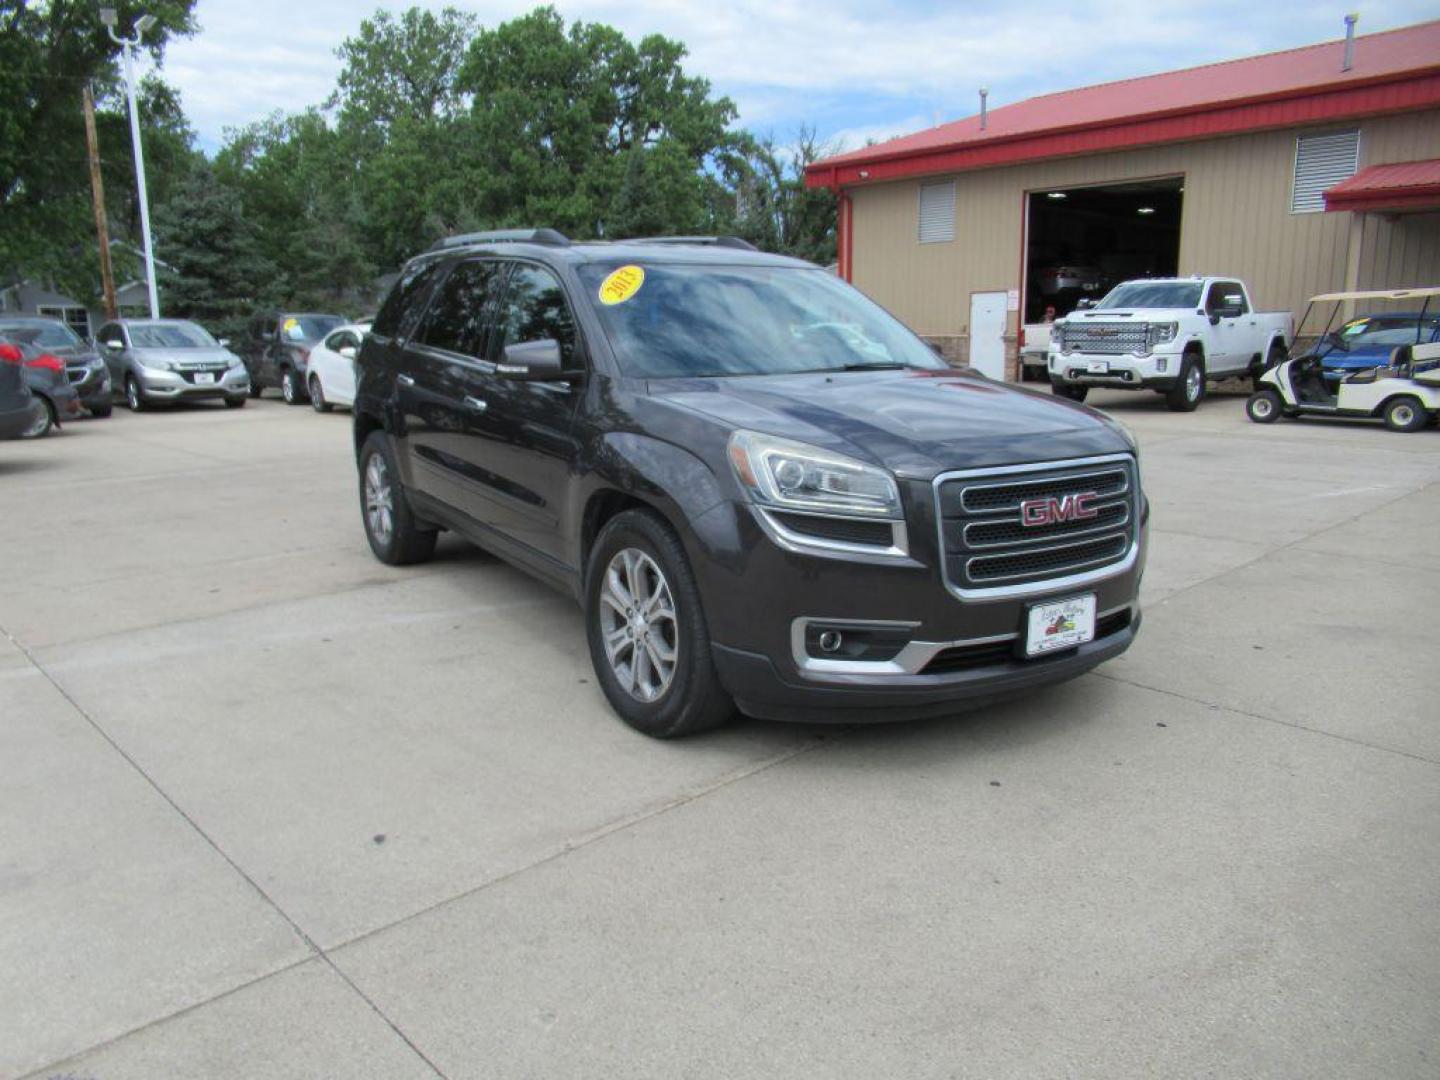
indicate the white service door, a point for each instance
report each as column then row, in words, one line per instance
column 988, row 316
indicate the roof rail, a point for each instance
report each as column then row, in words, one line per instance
column 549, row 237
column 713, row 241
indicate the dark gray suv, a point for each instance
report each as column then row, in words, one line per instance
column 763, row 490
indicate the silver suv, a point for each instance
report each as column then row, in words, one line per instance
column 162, row 361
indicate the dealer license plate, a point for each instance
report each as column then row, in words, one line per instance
column 1062, row 624
column 204, row 378
column 1098, row 367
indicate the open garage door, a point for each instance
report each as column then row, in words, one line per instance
column 1080, row 242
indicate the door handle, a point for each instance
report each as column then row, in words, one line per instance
column 476, row 404
column 405, row 380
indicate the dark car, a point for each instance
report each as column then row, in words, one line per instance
column 276, row 350
column 763, row 490
column 45, row 375
column 21, row 412
column 1368, row 340
column 83, row 364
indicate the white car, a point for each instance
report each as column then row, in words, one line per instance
column 1170, row 335
column 331, row 376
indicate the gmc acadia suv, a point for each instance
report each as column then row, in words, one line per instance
column 763, row 490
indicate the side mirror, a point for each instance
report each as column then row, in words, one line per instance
column 1084, row 304
column 348, row 351
column 532, row 361
column 224, row 342
column 114, row 344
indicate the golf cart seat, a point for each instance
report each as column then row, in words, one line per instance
column 1368, row 375
column 1420, row 362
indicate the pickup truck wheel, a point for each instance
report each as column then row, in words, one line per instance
column 1264, row 407
column 646, row 628
column 394, row 535
column 1071, row 393
column 1189, row 388
column 1405, row 413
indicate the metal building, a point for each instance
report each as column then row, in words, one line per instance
column 1311, row 170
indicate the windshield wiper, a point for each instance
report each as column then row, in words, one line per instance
column 872, row 365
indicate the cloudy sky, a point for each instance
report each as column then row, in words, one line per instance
column 855, row 70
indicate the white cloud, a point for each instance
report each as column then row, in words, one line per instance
column 788, row 61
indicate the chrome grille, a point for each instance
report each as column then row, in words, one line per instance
column 1106, row 339
column 988, row 546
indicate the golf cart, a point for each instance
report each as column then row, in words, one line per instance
column 1404, row 391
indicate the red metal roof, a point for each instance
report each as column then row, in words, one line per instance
column 1404, row 185
column 1394, row 71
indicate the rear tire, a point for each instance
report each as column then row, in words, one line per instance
column 394, row 535
column 44, row 423
column 638, row 556
column 317, row 395
column 235, row 402
column 1405, row 413
column 100, row 412
column 1070, row 393
column 1189, row 388
column 1264, row 407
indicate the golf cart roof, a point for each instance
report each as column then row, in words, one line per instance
column 1379, row 294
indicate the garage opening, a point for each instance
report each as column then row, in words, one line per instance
column 1080, row 242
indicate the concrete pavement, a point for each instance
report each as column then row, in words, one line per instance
column 271, row 809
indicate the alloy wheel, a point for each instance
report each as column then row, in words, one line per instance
column 639, row 625
column 1193, row 383
column 379, row 500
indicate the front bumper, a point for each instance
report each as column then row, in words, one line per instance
column 1154, row 371
column 759, row 598
column 181, row 386
column 92, row 385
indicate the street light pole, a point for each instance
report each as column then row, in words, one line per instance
column 109, row 17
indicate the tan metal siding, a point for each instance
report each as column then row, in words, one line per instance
column 1236, row 220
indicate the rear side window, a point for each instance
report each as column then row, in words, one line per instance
column 535, row 309
column 458, row 318
column 401, row 307
column 1225, row 293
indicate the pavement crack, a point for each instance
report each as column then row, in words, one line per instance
column 309, row 942
column 1261, row 716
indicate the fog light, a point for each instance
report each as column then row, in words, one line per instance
column 830, row 641
column 1160, row 364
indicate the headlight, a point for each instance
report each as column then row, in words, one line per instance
column 793, row 476
column 156, row 364
column 234, row 362
column 97, row 363
column 1159, row 333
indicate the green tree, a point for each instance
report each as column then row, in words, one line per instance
column 48, row 51
column 219, row 274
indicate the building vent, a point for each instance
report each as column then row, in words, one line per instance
column 937, row 213
column 1321, row 162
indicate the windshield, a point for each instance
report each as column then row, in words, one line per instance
column 308, row 327
column 50, row 335
column 1385, row 332
column 1153, row 294
column 171, row 336
column 669, row 321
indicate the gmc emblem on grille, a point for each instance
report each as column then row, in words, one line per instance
column 1036, row 512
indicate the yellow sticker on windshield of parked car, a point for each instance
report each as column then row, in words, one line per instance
column 621, row 285
column 290, row 324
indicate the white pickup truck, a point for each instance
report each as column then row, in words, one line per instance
column 1168, row 335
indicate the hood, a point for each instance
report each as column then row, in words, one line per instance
column 915, row 423
column 1136, row 315
column 187, row 358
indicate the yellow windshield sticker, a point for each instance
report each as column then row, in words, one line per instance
column 290, row 324
column 621, row 285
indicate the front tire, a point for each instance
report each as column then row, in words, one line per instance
column 235, row 402
column 394, row 535
column 1189, row 388
column 1405, row 413
column 134, row 396
column 1264, row 407
column 1069, row 392
column 317, row 395
column 645, row 624
column 290, row 388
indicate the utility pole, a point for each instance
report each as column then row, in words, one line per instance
column 97, row 194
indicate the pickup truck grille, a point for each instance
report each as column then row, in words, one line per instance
column 1106, row 339
column 1083, row 518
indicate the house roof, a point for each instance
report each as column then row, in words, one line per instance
column 1393, row 71
column 1404, row 185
